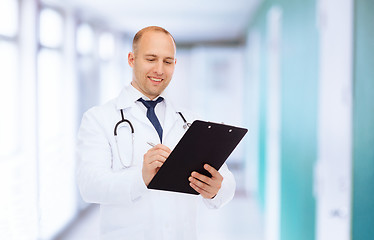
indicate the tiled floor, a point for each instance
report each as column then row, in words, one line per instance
column 238, row 220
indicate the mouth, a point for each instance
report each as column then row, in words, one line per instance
column 155, row 79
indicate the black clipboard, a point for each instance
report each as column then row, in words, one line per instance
column 203, row 142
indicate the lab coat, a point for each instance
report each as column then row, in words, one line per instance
column 128, row 210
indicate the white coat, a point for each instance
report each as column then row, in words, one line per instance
column 128, row 210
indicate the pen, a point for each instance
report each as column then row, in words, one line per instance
column 151, row 144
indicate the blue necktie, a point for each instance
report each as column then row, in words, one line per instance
column 151, row 115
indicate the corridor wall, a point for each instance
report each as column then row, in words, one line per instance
column 363, row 123
column 298, row 75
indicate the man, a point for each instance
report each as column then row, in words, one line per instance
column 114, row 171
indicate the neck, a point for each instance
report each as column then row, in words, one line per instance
column 136, row 86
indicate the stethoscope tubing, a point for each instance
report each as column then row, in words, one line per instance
column 123, row 120
column 185, row 125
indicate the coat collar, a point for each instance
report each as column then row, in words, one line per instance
column 129, row 95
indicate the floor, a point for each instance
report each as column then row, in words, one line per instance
column 238, row 220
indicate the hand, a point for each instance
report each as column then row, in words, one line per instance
column 153, row 160
column 208, row 187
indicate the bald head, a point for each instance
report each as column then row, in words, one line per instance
column 140, row 33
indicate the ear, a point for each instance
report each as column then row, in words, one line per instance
column 131, row 59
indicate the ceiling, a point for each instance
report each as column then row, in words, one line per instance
column 190, row 21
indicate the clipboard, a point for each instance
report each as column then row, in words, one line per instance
column 204, row 142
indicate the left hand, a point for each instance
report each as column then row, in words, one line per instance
column 208, row 187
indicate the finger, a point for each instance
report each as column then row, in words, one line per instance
column 202, row 178
column 205, row 190
column 199, row 184
column 213, row 171
column 163, row 147
column 203, row 193
column 197, row 188
column 151, row 159
column 156, row 164
column 160, row 152
column 163, row 153
column 155, row 155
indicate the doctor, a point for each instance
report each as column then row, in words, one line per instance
column 114, row 171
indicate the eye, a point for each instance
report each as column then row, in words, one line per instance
column 168, row 61
column 150, row 59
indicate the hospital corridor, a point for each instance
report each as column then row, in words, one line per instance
column 298, row 75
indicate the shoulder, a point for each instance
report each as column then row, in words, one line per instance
column 102, row 111
column 189, row 114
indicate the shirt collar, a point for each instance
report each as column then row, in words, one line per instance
column 130, row 95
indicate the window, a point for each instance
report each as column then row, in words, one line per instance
column 56, row 154
column 106, row 46
column 85, row 40
column 9, row 121
column 18, row 217
column 9, row 84
column 87, row 67
column 51, row 28
column 50, row 83
column 8, row 18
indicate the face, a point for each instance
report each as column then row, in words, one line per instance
column 153, row 63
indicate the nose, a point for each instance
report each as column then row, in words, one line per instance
column 159, row 68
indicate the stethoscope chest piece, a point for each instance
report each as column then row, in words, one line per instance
column 186, row 124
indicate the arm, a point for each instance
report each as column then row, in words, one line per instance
column 96, row 180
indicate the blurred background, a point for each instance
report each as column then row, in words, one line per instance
column 298, row 74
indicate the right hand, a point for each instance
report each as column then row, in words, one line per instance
column 153, row 160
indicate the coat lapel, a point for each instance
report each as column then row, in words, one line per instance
column 127, row 101
column 170, row 118
column 138, row 114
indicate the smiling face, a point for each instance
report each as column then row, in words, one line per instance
column 153, row 62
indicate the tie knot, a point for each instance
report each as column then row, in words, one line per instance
column 149, row 103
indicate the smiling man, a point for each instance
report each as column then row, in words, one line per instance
column 116, row 164
column 153, row 61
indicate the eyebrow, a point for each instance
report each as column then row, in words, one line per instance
column 150, row 55
column 154, row 55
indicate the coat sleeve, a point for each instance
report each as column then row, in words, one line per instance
column 227, row 191
column 96, row 180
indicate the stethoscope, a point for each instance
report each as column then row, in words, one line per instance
column 124, row 120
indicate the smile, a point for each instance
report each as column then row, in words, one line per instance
column 155, row 79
